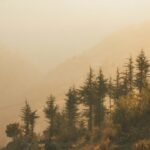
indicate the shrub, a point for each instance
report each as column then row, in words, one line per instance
column 142, row 145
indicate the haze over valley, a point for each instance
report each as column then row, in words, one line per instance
column 47, row 49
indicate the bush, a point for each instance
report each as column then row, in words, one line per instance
column 142, row 145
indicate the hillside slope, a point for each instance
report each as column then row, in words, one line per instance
column 19, row 79
column 108, row 55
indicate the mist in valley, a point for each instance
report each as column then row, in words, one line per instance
column 48, row 46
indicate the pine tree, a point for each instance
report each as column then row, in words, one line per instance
column 101, row 86
column 50, row 112
column 88, row 97
column 33, row 117
column 127, row 81
column 117, row 86
column 124, row 88
column 29, row 118
column 60, row 123
column 130, row 72
column 142, row 66
column 110, row 94
column 71, row 108
column 26, row 112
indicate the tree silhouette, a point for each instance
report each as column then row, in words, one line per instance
column 130, row 72
column 50, row 112
column 101, row 87
column 26, row 112
column 33, row 117
column 71, row 107
column 13, row 130
column 29, row 118
column 110, row 94
column 117, row 86
column 124, row 86
column 142, row 67
column 88, row 97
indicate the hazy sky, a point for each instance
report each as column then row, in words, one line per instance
column 50, row 31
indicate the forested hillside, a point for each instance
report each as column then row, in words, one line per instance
column 103, row 114
column 20, row 79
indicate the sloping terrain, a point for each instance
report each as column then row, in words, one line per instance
column 19, row 79
column 108, row 55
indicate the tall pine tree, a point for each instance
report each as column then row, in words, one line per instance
column 110, row 94
column 101, row 87
column 50, row 113
column 26, row 112
column 130, row 72
column 142, row 67
column 72, row 108
column 124, row 87
column 117, row 86
column 29, row 118
column 88, row 97
column 33, row 118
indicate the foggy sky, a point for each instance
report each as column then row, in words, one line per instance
column 47, row 32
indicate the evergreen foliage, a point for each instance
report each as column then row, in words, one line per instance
column 130, row 73
column 101, row 88
column 13, row 130
column 142, row 66
column 127, row 128
column 89, row 97
column 29, row 119
column 72, row 108
column 50, row 113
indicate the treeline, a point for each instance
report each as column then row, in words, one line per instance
column 112, row 113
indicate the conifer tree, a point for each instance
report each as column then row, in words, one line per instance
column 33, row 117
column 88, row 97
column 71, row 108
column 124, row 88
column 26, row 112
column 130, row 72
column 142, row 67
column 50, row 112
column 101, row 87
column 60, row 124
column 117, row 86
column 110, row 94
column 29, row 118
